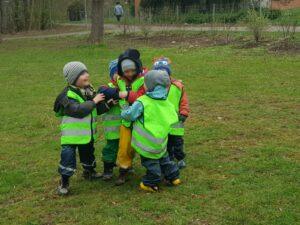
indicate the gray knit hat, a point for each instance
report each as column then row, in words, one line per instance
column 72, row 70
column 156, row 77
column 128, row 64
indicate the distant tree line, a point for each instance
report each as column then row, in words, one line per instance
column 22, row 15
column 204, row 5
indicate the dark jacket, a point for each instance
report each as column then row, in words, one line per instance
column 70, row 107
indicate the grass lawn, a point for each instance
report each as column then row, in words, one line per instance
column 242, row 138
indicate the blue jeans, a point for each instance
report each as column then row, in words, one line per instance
column 156, row 168
column 67, row 164
column 175, row 147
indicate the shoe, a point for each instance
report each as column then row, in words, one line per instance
column 108, row 171
column 148, row 188
column 181, row 164
column 63, row 188
column 91, row 175
column 176, row 182
column 123, row 176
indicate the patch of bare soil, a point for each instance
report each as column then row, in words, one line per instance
column 170, row 40
column 281, row 46
column 285, row 46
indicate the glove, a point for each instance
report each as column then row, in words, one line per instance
column 110, row 93
column 182, row 118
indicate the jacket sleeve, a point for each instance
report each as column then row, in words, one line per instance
column 133, row 95
column 103, row 107
column 133, row 112
column 75, row 109
column 184, row 108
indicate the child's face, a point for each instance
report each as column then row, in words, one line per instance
column 129, row 74
column 83, row 80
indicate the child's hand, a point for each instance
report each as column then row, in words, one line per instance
column 123, row 94
column 98, row 98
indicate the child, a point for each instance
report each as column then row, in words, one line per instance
column 78, row 106
column 178, row 97
column 111, row 123
column 153, row 116
column 130, row 83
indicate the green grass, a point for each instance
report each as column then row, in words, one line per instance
column 290, row 16
column 242, row 139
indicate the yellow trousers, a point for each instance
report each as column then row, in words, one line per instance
column 126, row 152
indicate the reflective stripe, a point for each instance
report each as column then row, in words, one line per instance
column 66, row 120
column 77, row 132
column 144, row 134
column 147, row 148
column 86, row 165
column 66, row 168
column 111, row 117
column 178, row 125
column 112, row 129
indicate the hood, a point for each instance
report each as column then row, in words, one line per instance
column 133, row 55
column 159, row 92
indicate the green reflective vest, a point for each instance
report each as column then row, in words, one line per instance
column 150, row 137
column 75, row 130
column 174, row 97
column 112, row 121
column 134, row 86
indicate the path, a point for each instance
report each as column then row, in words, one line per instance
column 115, row 28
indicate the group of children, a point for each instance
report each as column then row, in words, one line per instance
column 142, row 111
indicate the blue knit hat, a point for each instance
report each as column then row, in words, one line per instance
column 162, row 63
column 113, row 68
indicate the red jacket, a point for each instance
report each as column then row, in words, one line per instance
column 184, row 108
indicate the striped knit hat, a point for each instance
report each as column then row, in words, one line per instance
column 73, row 70
column 113, row 68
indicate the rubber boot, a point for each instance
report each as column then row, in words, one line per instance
column 108, row 171
column 63, row 188
column 148, row 188
column 91, row 175
column 123, row 176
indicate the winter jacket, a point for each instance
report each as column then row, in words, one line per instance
column 184, row 108
column 70, row 107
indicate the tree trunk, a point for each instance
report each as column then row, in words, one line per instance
column 97, row 29
column 31, row 17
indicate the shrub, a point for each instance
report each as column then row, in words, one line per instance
column 288, row 25
column 256, row 24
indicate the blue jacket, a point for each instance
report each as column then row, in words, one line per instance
column 135, row 111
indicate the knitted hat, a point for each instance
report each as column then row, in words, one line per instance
column 156, row 77
column 113, row 68
column 73, row 70
column 162, row 63
column 128, row 64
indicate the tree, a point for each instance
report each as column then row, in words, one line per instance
column 97, row 28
